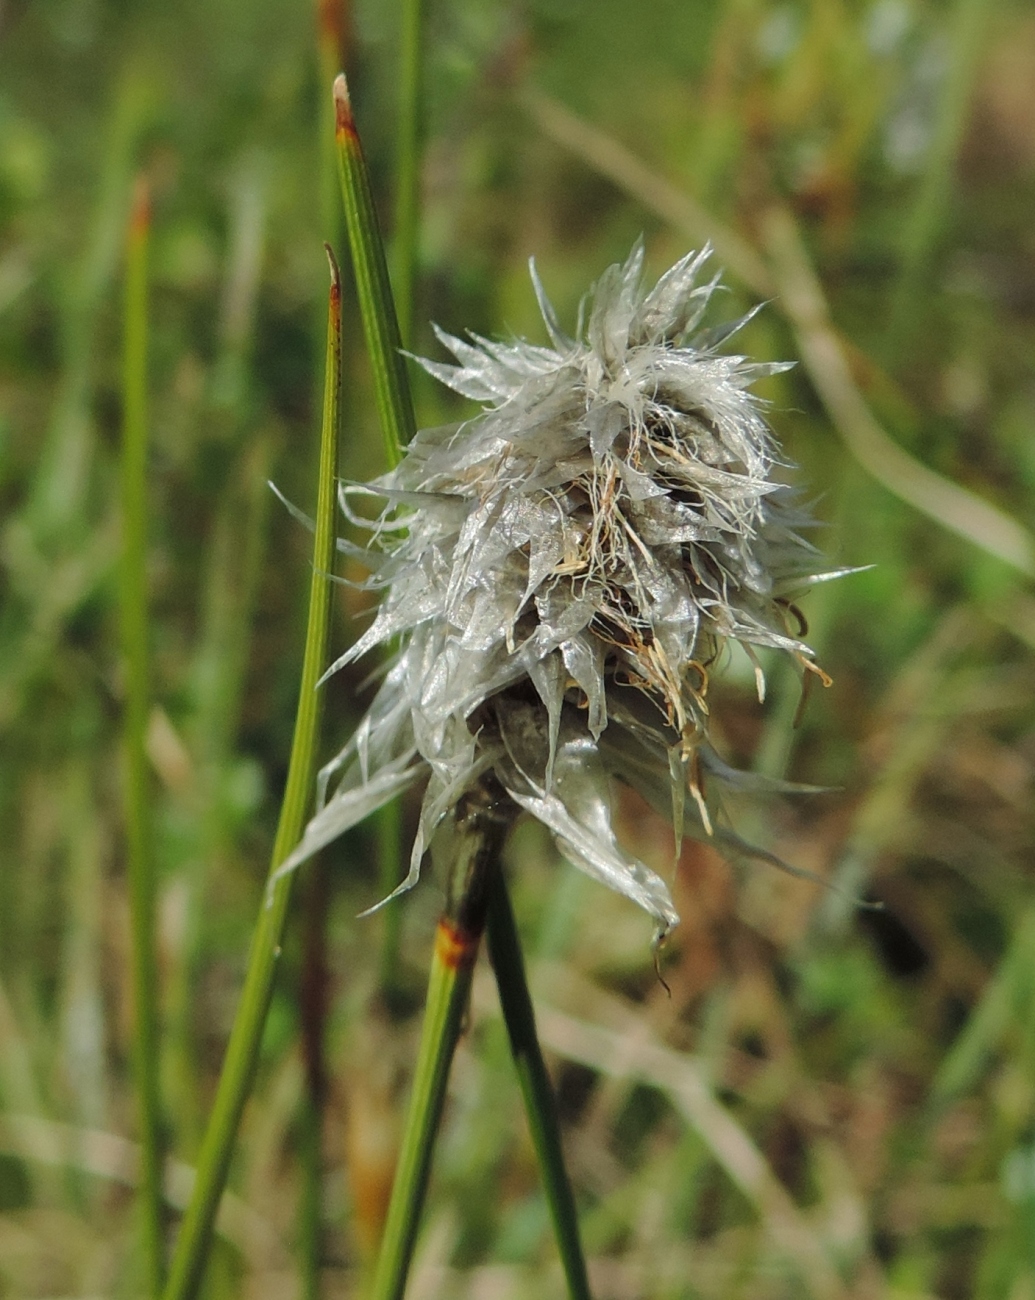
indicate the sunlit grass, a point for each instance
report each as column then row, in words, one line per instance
column 238, row 1070
column 875, row 1068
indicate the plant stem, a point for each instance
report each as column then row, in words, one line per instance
column 480, row 826
column 507, row 961
column 380, row 325
column 383, row 341
column 140, row 864
column 58, row 500
column 313, row 1010
column 407, row 165
column 243, row 1049
column 332, row 45
column 235, row 548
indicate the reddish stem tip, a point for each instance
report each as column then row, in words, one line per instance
column 140, row 210
column 335, row 273
column 343, row 120
column 330, row 18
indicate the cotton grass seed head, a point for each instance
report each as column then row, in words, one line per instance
column 561, row 572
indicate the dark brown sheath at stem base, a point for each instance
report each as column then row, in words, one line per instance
column 483, row 817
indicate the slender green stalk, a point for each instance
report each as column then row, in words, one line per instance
column 380, row 325
column 243, row 1049
column 407, row 165
column 235, row 550
column 74, row 551
column 313, row 1007
column 381, row 331
column 480, row 826
column 507, row 961
column 331, row 16
column 331, row 42
column 61, row 487
column 133, row 611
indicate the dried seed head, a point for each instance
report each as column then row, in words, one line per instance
column 563, row 570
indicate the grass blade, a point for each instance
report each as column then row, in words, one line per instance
column 479, row 832
column 60, row 491
column 243, row 1049
column 134, row 629
column 448, row 989
column 536, row 1089
column 380, row 325
column 312, row 999
column 383, row 341
column 333, row 42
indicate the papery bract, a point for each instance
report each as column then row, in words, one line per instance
column 562, row 571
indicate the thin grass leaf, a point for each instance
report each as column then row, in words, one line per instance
column 233, row 565
column 540, row 1106
column 243, row 1049
column 329, row 48
column 479, row 832
column 134, row 629
column 60, row 490
column 312, row 999
column 383, row 340
column 332, row 40
column 380, row 325
column 448, row 991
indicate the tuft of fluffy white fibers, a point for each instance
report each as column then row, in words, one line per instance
column 560, row 573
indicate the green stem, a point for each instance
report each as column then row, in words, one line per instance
column 505, row 951
column 480, row 826
column 313, row 1007
column 60, row 491
column 331, row 47
column 381, row 331
column 245, row 1038
column 380, row 325
column 407, row 165
column 133, row 602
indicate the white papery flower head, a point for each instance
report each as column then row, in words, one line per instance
column 562, row 572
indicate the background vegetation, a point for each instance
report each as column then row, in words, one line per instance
column 833, row 1101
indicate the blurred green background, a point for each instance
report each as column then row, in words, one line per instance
column 833, row 1101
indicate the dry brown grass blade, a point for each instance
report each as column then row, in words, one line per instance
column 790, row 279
